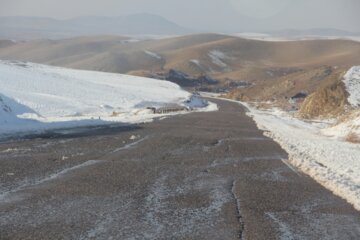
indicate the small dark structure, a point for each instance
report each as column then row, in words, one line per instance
column 167, row 109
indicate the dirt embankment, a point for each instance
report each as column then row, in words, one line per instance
column 327, row 101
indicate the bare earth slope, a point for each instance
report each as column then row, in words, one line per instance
column 236, row 54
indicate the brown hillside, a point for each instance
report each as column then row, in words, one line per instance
column 244, row 58
column 327, row 101
column 275, row 70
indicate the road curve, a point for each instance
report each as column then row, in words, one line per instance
column 196, row 176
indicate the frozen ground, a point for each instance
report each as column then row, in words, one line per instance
column 37, row 97
column 332, row 162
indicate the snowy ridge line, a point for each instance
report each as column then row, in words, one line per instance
column 63, row 172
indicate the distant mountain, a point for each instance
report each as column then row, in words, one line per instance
column 325, row 32
column 25, row 28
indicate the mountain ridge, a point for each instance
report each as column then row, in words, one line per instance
column 30, row 28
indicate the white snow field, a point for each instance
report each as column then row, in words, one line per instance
column 37, row 97
column 332, row 162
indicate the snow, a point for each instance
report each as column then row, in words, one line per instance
column 269, row 38
column 352, row 84
column 196, row 62
column 218, row 57
column 332, row 162
column 152, row 54
column 351, row 124
column 346, row 128
column 36, row 97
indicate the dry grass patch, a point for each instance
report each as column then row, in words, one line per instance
column 327, row 101
column 353, row 138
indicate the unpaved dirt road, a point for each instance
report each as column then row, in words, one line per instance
column 197, row 176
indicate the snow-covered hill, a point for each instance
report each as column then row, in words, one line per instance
column 34, row 97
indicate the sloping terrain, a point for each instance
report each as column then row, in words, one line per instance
column 205, row 53
column 285, row 66
column 249, row 70
column 348, row 126
column 327, row 101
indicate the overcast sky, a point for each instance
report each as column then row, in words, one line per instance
column 214, row 15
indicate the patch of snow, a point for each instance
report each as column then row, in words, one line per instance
column 352, row 83
column 200, row 104
column 344, row 129
column 133, row 137
column 333, row 163
column 152, row 54
column 218, row 57
column 196, row 62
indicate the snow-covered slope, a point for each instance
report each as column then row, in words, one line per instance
column 352, row 83
column 37, row 97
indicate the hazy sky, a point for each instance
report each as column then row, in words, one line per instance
column 215, row 15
